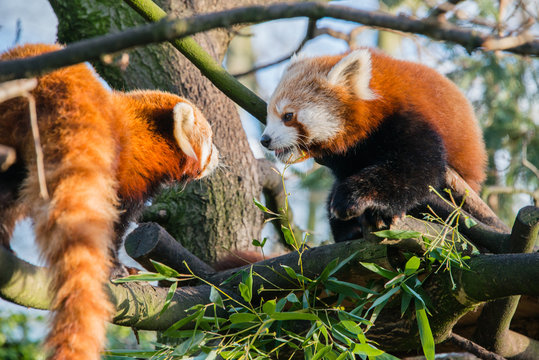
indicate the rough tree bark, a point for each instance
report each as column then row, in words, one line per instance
column 211, row 216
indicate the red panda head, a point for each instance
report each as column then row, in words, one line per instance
column 194, row 137
column 314, row 107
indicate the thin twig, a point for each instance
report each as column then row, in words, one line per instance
column 309, row 35
column 526, row 163
column 16, row 88
column 167, row 29
column 495, row 44
column 37, row 145
column 473, row 348
column 439, row 11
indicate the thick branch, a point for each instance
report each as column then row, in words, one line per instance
column 151, row 241
column 170, row 29
column 493, row 324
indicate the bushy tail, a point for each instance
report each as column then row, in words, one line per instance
column 75, row 231
column 75, row 238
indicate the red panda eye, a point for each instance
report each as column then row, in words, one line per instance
column 288, row 116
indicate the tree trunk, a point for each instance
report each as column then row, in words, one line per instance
column 212, row 215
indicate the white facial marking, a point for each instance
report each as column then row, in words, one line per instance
column 360, row 61
column 281, row 105
column 282, row 136
column 213, row 162
column 184, row 120
column 205, row 152
column 320, row 123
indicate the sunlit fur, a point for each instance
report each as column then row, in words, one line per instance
column 339, row 102
column 104, row 154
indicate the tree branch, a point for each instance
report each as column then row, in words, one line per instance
column 169, row 29
column 493, row 324
column 473, row 348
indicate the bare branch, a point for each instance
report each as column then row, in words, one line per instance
column 169, row 29
column 439, row 11
column 507, row 42
column 473, row 348
column 16, row 88
column 309, row 35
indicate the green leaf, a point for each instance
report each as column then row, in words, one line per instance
column 384, row 298
column 292, row 298
column 343, row 356
column 180, row 323
column 469, row 222
column 144, row 276
column 132, row 353
column 188, row 344
column 246, row 287
column 288, row 235
column 412, row 265
column 397, row 234
column 261, row 206
column 294, row 316
column 353, row 286
column 320, row 353
column 291, row 273
column 425, row 334
column 339, row 288
column 352, row 327
column 410, row 291
column 246, row 292
column 216, row 298
column 386, row 356
column 405, row 302
column 379, row 270
column 242, row 318
column 366, row 349
column 269, row 307
column 168, row 299
column 164, row 269
column 327, row 270
column 258, row 243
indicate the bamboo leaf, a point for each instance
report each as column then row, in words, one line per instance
column 397, row 234
column 164, row 269
column 425, row 333
column 216, row 298
column 168, row 299
column 379, row 270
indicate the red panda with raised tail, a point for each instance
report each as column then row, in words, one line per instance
column 105, row 152
column 386, row 128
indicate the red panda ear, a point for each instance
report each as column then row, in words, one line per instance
column 354, row 70
column 184, row 121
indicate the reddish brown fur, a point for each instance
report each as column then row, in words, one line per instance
column 99, row 147
column 399, row 86
column 239, row 258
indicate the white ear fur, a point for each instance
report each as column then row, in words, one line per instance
column 355, row 69
column 184, row 120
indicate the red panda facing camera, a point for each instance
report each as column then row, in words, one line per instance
column 104, row 153
column 386, row 128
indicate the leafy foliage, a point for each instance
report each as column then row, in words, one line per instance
column 308, row 318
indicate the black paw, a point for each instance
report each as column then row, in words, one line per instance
column 344, row 205
column 376, row 219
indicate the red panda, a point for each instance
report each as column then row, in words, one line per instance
column 104, row 152
column 386, row 128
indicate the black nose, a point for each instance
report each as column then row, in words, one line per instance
column 265, row 140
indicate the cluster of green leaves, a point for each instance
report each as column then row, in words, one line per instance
column 309, row 317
